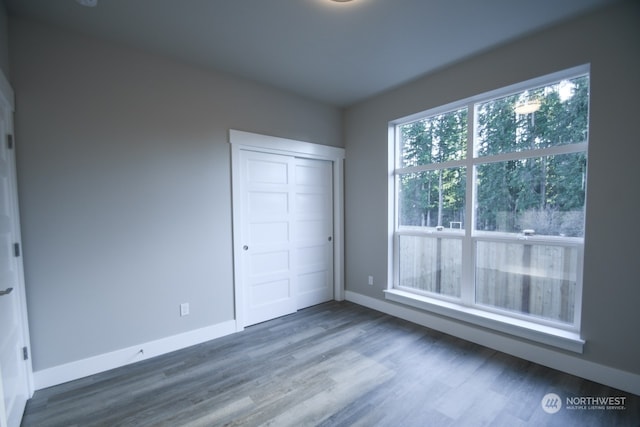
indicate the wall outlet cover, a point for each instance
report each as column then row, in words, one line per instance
column 184, row 309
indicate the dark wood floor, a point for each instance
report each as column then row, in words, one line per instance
column 336, row 364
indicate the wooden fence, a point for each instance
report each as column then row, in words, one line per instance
column 536, row 279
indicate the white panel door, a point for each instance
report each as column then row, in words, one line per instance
column 313, row 231
column 267, row 238
column 14, row 370
column 286, row 240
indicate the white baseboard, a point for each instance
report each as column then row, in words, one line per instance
column 115, row 359
column 570, row 364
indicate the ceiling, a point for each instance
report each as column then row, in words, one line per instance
column 338, row 53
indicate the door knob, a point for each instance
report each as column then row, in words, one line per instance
column 245, row 247
column 6, row 291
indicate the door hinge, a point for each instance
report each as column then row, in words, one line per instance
column 10, row 141
column 25, row 353
column 16, row 249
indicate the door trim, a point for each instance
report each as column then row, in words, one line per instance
column 7, row 97
column 241, row 140
column 7, row 103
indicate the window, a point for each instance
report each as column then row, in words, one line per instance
column 489, row 202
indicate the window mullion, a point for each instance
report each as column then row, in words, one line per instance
column 537, row 152
column 394, row 264
column 432, row 166
column 467, row 291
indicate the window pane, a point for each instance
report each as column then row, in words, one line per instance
column 431, row 264
column 432, row 198
column 557, row 115
column 434, row 139
column 543, row 194
column 538, row 280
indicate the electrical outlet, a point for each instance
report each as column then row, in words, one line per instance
column 184, row 309
column 370, row 280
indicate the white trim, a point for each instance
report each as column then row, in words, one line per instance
column 273, row 144
column 554, row 337
column 115, row 359
column 393, row 260
column 6, row 92
column 568, row 363
column 241, row 140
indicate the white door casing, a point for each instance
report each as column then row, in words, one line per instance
column 16, row 382
column 299, row 157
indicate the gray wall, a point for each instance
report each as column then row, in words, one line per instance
column 125, row 191
column 4, row 40
column 610, row 41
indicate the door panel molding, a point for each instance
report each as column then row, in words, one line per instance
column 248, row 141
column 313, row 231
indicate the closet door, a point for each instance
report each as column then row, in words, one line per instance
column 267, row 236
column 313, row 231
column 286, row 222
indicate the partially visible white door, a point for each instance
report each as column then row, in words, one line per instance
column 14, row 370
column 267, row 193
column 313, row 231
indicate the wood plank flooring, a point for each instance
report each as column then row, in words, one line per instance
column 335, row 364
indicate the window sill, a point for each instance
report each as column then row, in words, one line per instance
column 547, row 335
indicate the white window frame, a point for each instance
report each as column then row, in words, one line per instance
column 557, row 334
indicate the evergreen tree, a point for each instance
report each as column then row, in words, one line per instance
column 431, row 198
